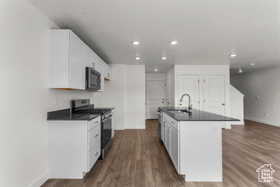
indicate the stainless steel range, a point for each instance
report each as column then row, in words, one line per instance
column 83, row 106
column 106, row 129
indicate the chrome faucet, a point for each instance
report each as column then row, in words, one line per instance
column 182, row 97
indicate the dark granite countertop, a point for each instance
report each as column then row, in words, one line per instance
column 195, row 115
column 83, row 115
column 66, row 115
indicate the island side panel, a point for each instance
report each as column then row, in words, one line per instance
column 201, row 150
column 67, row 149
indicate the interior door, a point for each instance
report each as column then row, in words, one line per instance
column 189, row 84
column 213, row 94
column 155, row 97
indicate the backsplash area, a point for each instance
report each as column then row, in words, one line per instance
column 60, row 99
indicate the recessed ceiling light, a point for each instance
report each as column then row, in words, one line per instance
column 232, row 55
column 252, row 64
column 164, row 58
column 135, row 42
column 174, row 42
column 156, row 70
column 138, row 58
column 240, row 70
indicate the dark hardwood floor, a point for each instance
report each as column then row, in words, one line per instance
column 137, row 159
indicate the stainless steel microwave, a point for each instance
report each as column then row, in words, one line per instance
column 93, row 79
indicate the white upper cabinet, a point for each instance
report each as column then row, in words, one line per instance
column 69, row 58
column 213, row 95
column 207, row 86
column 207, row 92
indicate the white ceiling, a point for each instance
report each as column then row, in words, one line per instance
column 207, row 30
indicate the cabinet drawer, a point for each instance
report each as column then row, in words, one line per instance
column 94, row 136
column 94, row 145
column 93, row 123
column 93, row 155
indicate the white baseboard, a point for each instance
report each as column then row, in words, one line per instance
column 238, row 122
column 40, row 180
column 262, row 121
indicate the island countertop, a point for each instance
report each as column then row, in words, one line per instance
column 195, row 115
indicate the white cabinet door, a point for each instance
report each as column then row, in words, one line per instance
column 170, row 133
column 78, row 60
column 68, row 59
column 162, row 129
column 162, row 126
column 174, row 147
column 168, row 141
column 188, row 84
column 166, row 135
column 94, row 142
column 213, row 94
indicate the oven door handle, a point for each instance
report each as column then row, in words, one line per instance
column 107, row 117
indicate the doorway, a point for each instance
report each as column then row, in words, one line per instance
column 156, row 94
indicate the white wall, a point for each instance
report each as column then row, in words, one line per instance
column 126, row 93
column 237, row 105
column 170, row 84
column 155, row 76
column 114, row 95
column 25, row 99
column 262, row 95
column 135, row 103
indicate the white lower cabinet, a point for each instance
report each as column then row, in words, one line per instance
column 195, row 148
column 174, row 146
column 94, row 137
column 170, row 138
column 74, row 147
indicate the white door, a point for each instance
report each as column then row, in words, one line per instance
column 213, row 94
column 155, row 97
column 189, row 84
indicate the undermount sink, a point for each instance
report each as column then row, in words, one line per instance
column 180, row 111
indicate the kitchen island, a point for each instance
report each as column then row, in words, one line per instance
column 193, row 140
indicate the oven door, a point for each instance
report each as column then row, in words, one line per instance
column 93, row 79
column 106, row 134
